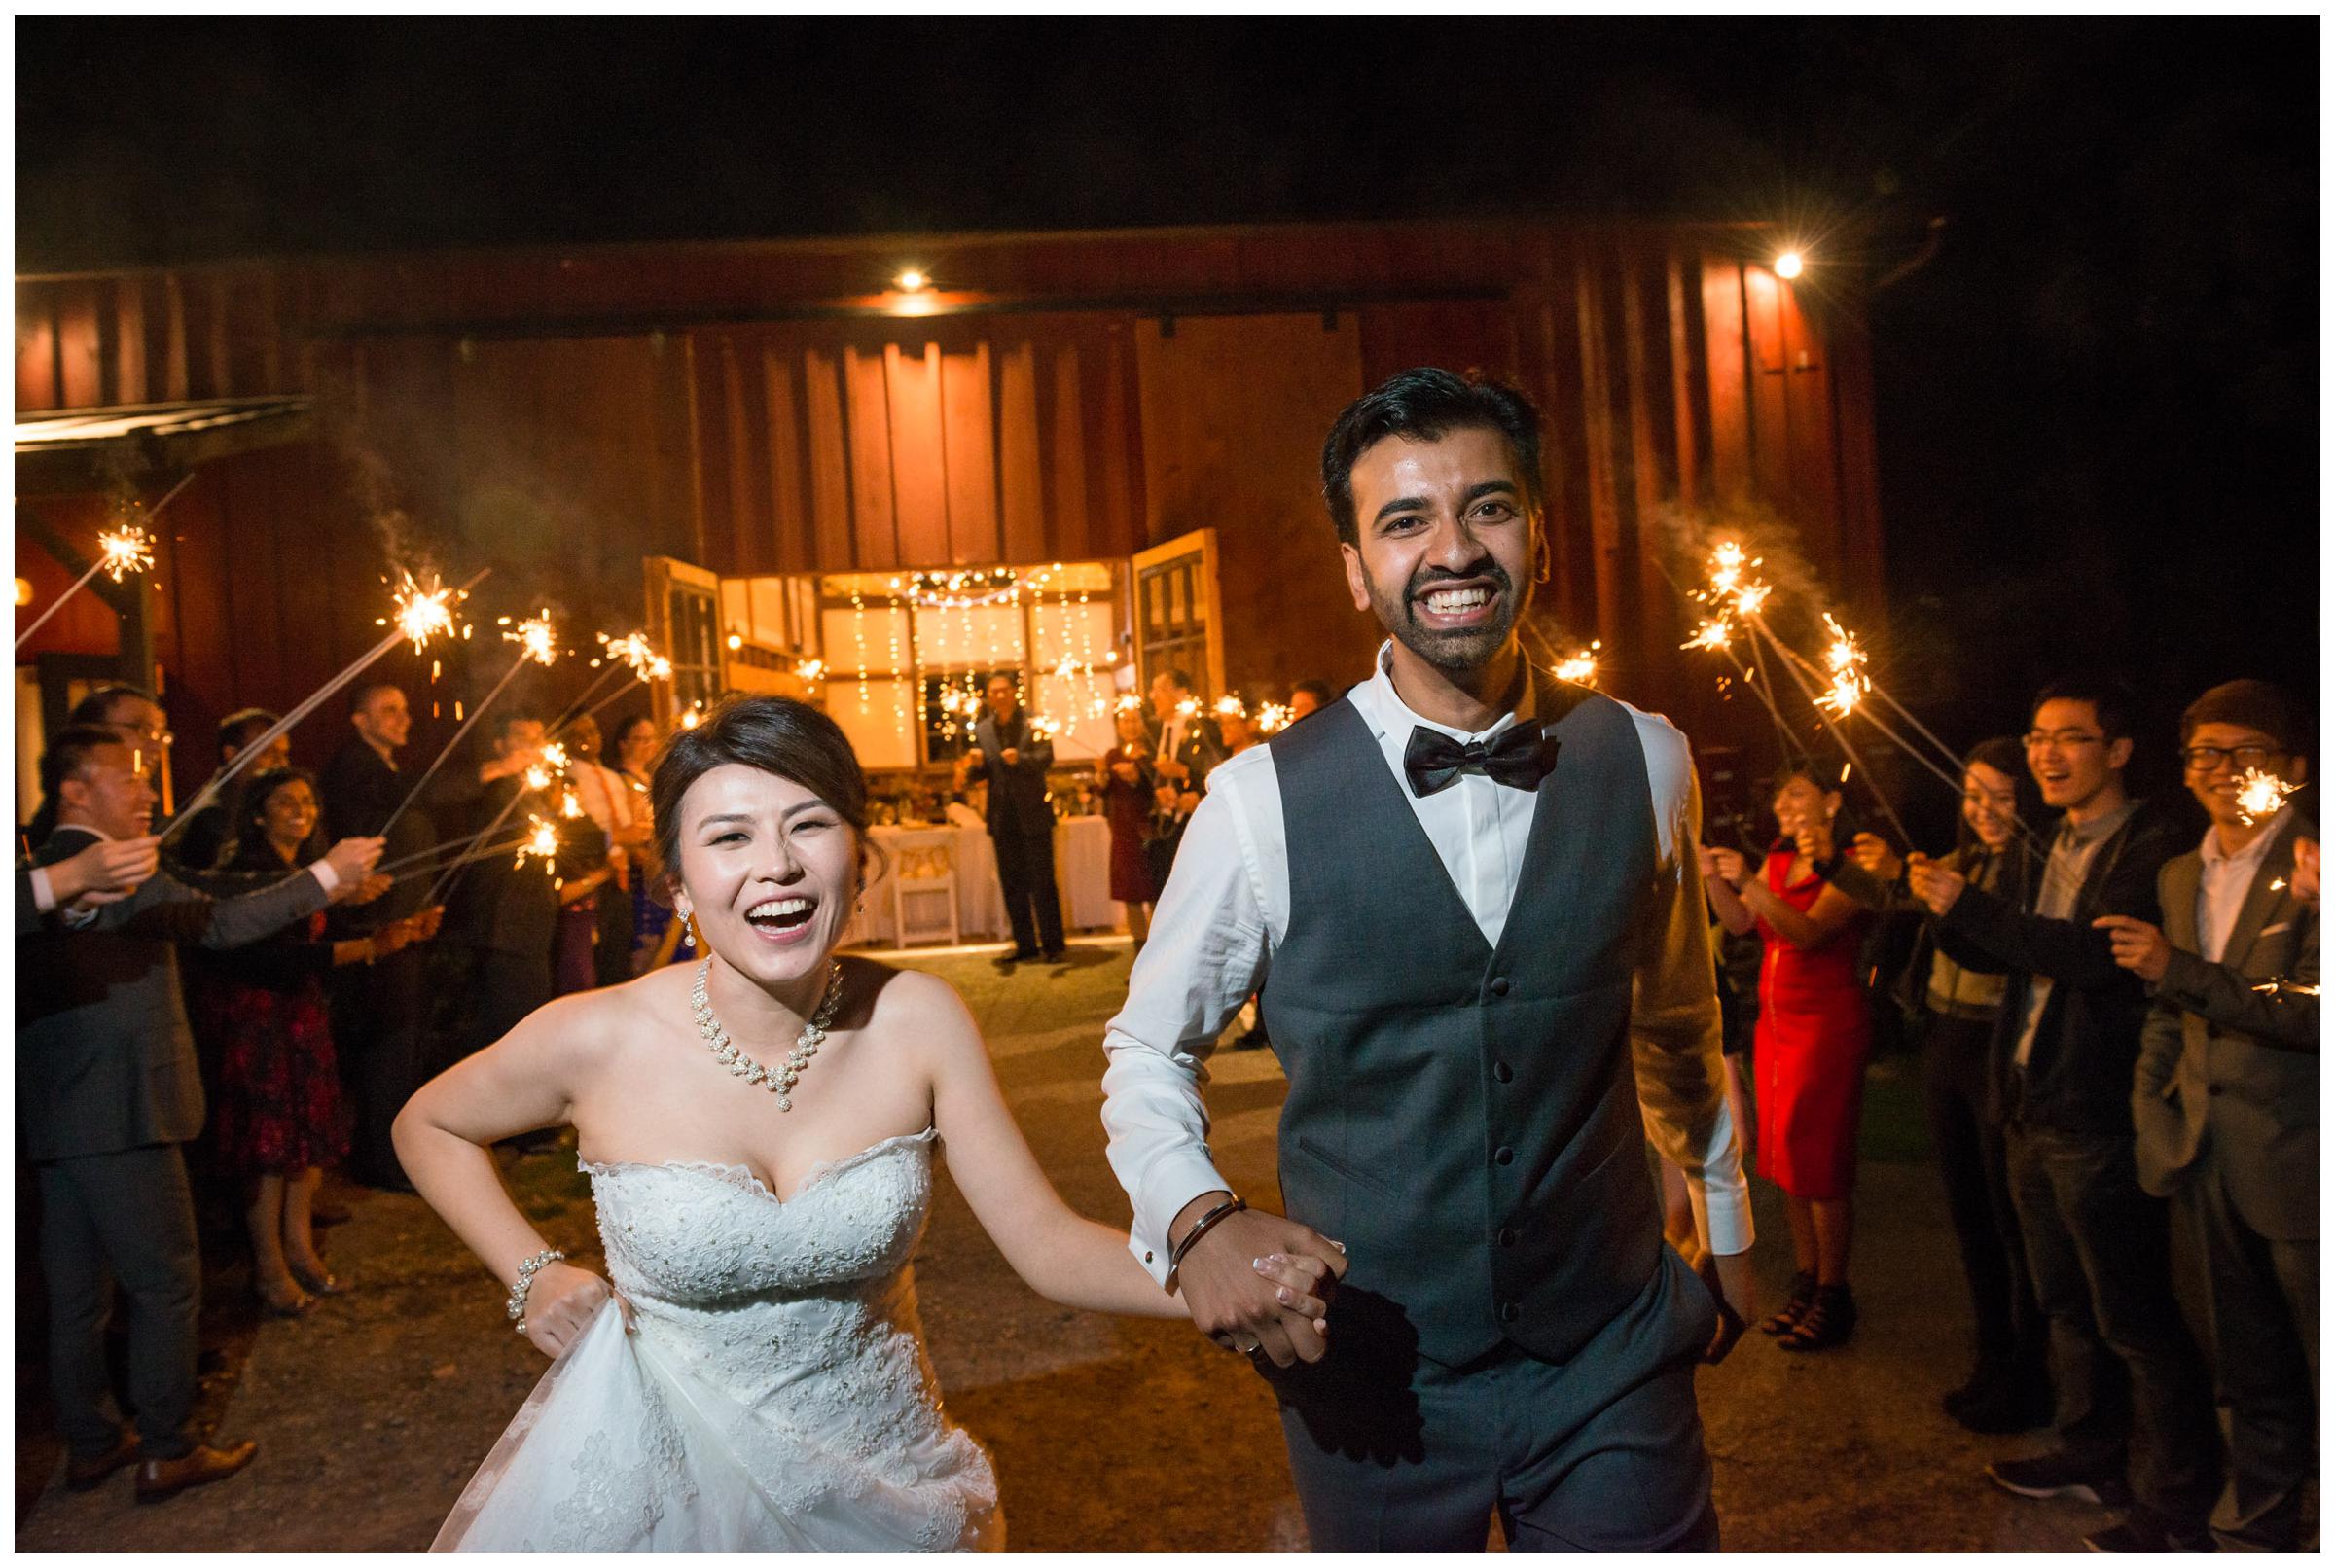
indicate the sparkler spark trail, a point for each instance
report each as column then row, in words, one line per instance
column 1273, row 718
column 126, row 551
column 536, row 639
column 1715, row 635
column 422, row 616
column 1581, row 667
column 2261, row 795
column 542, row 841
column 1845, row 665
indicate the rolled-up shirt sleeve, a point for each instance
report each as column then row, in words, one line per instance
column 1206, row 952
column 1675, row 1033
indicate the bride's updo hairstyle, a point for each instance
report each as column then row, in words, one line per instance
column 775, row 734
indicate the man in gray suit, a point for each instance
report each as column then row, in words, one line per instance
column 106, row 1091
column 2225, row 1101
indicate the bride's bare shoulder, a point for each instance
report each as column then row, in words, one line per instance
column 592, row 1024
column 905, row 1004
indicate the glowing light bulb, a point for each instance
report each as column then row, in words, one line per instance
column 1787, row 266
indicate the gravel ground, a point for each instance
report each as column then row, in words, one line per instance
column 1107, row 1435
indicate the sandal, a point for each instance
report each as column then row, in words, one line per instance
column 1829, row 1321
column 1804, row 1295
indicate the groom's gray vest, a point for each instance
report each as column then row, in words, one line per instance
column 1465, row 1117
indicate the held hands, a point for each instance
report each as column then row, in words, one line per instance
column 2138, row 946
column 1874, row 856
column 1258, row 1281
column 561, row 1303
column 1933, row 883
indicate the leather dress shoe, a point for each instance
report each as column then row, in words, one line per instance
column 160, row 1479
column 88, row 1475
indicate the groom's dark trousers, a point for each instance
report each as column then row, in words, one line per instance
column 1512, row 1334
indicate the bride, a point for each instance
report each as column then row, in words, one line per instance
column 759, row 1130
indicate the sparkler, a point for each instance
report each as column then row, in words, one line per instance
column 628, row 652
column 417, row 626
column 1845, row 664
column 1580, row 668
column 537, row 644
column 2261, row 795
column 2283, row 989
column 1273, row 718
column 120, row 552
column 542, row 841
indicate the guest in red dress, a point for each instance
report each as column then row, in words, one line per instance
column 280, row 1117
column 1808, row 1052
column 1127, row 783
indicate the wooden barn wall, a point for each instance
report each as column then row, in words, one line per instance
column 468, row 413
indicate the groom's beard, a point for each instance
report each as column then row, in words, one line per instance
column 1458, row 653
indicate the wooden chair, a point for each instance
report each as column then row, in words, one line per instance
column 924, row 881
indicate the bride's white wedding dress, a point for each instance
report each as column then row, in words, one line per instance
column 775, row 1395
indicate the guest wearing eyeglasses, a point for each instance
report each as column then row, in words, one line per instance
column 2225, row 1096
column 2134, row 1417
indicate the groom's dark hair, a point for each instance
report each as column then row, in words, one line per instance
column 1425, row 404
column 775, row 734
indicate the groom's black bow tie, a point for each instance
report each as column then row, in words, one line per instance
column 1518, row 759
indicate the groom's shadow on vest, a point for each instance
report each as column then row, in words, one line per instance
column 1357, row 1402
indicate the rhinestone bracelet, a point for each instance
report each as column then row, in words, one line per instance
column 516, row 1308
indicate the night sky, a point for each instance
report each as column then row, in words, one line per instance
column 2098, row 395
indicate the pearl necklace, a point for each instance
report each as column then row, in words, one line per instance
column 780, row 1080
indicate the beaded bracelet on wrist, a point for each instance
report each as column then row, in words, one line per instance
column 517, row 1307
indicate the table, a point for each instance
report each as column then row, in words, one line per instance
column 1081, row 872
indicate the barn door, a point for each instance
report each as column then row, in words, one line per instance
column 1179, row 611
column 684, row 609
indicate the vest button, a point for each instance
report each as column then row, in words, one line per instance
column 1507, row 1237
column 1503, row 1156
column 1502, row 1071
column 1499, row 985
column 1510, row 1311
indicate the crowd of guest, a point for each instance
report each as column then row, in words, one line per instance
column 2117, row 1020
column 345, row 935
column 2120, row 1027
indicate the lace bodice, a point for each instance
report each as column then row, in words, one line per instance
column 781, row 1338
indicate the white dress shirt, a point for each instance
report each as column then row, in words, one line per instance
column 1227, row 909
column 2224, row 882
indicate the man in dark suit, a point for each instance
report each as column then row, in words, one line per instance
column 2134, row 1415
column 2225, row 1101
column 381, row 1011
column 1014, row 756
column 107, row 1089
column 1190, row 746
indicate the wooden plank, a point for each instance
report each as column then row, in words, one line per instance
column 875, row 539
column 218, row 356
column 1809, row 456
column 37, row 380
column 1651, row 636
column 1771, row 406
column 174, row 365
column 1066, row 519
column 1726, row 353
column 1020, row 480
column 741, row 495
column 790, row 494
column 919, row 477
column 129, row 341
column 79, row 358
column 829, row 460
column 969, row 456
column 1687, row 455
column 1606, row 566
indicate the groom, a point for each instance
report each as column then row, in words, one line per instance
column 1467, row 892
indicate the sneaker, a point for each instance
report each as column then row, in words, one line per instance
column 2137, row 1534
column 2056, row 1475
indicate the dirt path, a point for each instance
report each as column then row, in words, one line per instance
column 1108, row 1436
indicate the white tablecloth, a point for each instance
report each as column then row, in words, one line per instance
column 1082, row 871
